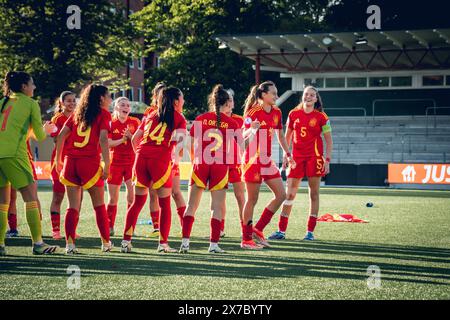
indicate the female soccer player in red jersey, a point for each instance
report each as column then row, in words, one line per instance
column 176, row 190
column 258, row 166
column 235, row 170
column 153, row 203
column 211, row 133
column 306, row 123
column 86, row 132
column 153, row 165
column 64, row 107
column 122, row 153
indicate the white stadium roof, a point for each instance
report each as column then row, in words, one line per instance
column 345, row 51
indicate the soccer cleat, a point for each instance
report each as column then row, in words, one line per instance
column 250, row 245
column 125, row 246
column 154, row 234
column 259, row 237
column 13, row 233
column 309, row 236
column 107, row 247
column 44, row 248
column 2, row 251
column 222, row 234
column 56, row 235
column 71, row 249
column 111, row 232
column 164, row 248
column 184, row 248
column 214, row 248
column 277, row 235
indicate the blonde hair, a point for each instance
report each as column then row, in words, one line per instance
column 116, row 105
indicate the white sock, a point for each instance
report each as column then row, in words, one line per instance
column 185, row 242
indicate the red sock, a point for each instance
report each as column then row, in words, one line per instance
column 165, row 219
column 132, row 215
column 70, row 224
column 247, row 232
column 215, row 230
column 188, row 221
column 12, row 221
column 312, row 223
column 102, row 222
column 283, row 223
column 222, row 225
column 112, row 213
column 155, row 218
column 264, row 220
column 56, row 220
column 180, row 212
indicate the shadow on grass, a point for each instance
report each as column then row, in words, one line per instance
column 351, row 262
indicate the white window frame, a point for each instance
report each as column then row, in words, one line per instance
column 140, row 97
column 131, row 97
column 140, row 63
column 298, row 80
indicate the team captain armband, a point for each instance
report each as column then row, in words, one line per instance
column 327, row 127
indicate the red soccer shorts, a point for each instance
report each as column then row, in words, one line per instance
column 83, row 172
column 155, row 173
column 235, row 174
column 117, row 174
column 214, row 174
column 58, row 187
column 257, row 173
column 307, row 167
column 175, row 170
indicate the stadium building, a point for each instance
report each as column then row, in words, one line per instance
column 387, row 94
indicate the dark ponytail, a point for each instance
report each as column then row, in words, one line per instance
column 166, row 110
column 217, row 98
column 89, row 107
column 256, row 93
column 13, row 83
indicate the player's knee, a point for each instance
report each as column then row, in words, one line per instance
column 281, row 196
column 290, row 196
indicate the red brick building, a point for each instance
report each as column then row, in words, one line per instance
column 135, row 70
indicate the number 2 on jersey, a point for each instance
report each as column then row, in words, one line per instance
column 154, row 135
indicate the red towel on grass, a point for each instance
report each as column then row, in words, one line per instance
column 340, row 218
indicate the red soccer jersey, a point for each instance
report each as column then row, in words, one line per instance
column 86, row 143
column 123, row 154
column 157, row 140
column 307, row 127
column 212, row 142
column 237, row 152
column 58, row 120
column 149, row 110
column 269, row 121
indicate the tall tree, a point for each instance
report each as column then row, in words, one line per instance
column 34, row 37
column 182, row 33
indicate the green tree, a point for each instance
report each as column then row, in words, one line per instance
column 34, row 37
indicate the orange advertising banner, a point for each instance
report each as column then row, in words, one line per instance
column 424, row 173
column 43, row 170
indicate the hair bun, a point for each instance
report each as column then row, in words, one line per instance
column 10, row 74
